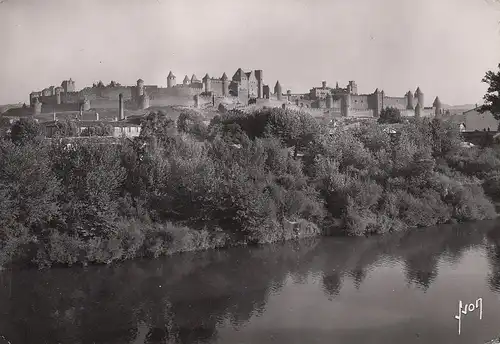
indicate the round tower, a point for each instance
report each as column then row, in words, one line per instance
column 438, row 107
column 206, row 83
column 225, row 85
column 171, row 80
column 259, row 75
column 418, row 110
column 419, row 96
column 378, row 102
column 346, row 105
column 121, row 110
column 58, row 91
column 329, row 101
column 186, row 80
column 37, row 107
column 85, row 104
column 409, row 101
column 140, row 88
column 144, row 101
column 278, row 90
column 196, row 101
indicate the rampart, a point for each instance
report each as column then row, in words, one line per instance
column 400, row 103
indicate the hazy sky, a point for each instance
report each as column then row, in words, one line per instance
column 443, row 46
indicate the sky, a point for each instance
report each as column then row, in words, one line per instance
column 443, row 46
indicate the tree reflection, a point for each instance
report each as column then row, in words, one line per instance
column 493, row 255
column 186, row 298
column 332, row 284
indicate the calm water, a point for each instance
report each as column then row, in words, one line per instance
column 402, row 288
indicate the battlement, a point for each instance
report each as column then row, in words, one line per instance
column 244, row 88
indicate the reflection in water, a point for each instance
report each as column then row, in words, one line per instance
column 332, row 283
column 190, row 298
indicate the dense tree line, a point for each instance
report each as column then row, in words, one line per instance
column 270, row 175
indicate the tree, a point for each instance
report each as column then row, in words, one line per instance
column 191, row 122
column 390, row 115
column 158, row 125
column 66, row 128
column 4, row 126
column 492, row 96
column 25, row 130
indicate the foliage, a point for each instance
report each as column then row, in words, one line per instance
column 191, row 122
column 390, row 115
column 25, row 130
column 269, row 175
column 492, row 96
column 65, row 128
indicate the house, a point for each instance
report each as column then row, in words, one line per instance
column 119, row 128
column 473, row 120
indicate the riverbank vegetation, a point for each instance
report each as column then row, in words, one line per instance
column 270, row 175
column 265, row 176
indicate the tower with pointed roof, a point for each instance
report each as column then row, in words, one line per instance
column 278, row 91
column 206, row 83
column 438, row 107
column 419, row 96
column 225, row 85
column 409, row 101
column 186, row 80
column 194, row 79
column 171, row 80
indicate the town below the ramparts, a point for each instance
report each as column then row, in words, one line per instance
column 121, row 107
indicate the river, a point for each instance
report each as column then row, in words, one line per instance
column 398, row 288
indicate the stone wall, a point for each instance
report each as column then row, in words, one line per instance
column 396, row 102
column 359, row 102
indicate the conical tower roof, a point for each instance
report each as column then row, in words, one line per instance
column 418, row 91
column 277, row 84
column 238, row 75
column 194, row 78
column 224, row 77
column 171, row 75
column 186, row 79
column 376, row 90
column 437, row 102
column 206, row 77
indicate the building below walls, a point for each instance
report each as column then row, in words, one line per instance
column 119, row 129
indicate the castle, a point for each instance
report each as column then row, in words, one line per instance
column 244, row 88
column 348, row 101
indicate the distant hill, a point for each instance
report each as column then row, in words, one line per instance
column 464, row 107
column 7, row 107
